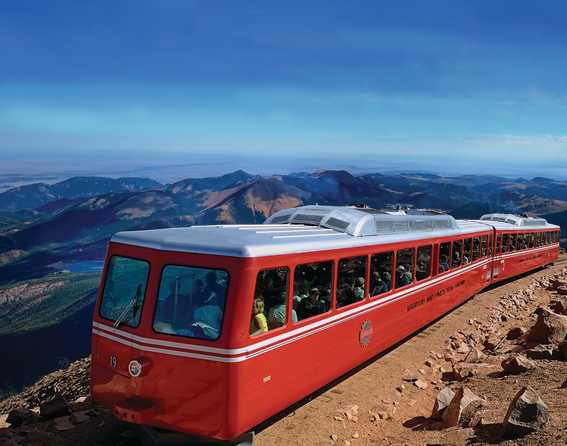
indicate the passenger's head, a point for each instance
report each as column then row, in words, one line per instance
column 387, row 276
column 401, row 269
column 258, row 306
column 314, row 293
column 211, row 279
column 281, row 298
column 360, row 281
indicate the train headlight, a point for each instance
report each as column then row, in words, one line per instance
column 135, row 368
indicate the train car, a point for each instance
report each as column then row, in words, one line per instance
column 211, row 330
column 522, row 244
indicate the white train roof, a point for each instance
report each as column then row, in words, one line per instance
column 303, row 229
column 516, row 222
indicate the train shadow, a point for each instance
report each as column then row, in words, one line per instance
column 291, row 409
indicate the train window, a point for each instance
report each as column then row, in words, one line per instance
column 467, row 251
column 423, row 263
column 531, row 240
column 489, row 247
column 483, row 244
column 351, row 281
column 513, row 242
column 269, row 308
column 505, row 243
column 476, row 248
column 124, row 290
column 521, row 242
column 444, row 255
column 404, row 267
column 191, row 302
column 381, row 273
column 498, row 244
column 457, row 253
column 312, row 289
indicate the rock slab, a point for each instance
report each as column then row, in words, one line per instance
column 527, row 413
column 465, row 409
column 550, row 328
column 517, row 364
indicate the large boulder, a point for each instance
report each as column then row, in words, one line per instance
column 543, row 351
column 444, row 398
column 527, row 413
column 55, row 407
column 465, row 409
column 516, row 333
column 550, row 328
column 20, row 416
column 517, row 364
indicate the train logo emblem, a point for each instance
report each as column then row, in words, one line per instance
column 366, row 331
column 113, row 361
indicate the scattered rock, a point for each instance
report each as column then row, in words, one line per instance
column 518, row 364
column 527, row 413
column 463, row 348
column 351, row 412
column 356, row 435
column 55, row 407
column 443, row 399
column 516, row 333
column 410, row 377
column 544, row 351
column 3, row 423
column 465, row 409
column 550, row 328
column 80, row 417
column 20, row 416
column 475, row 356
column 334, row 437
column 383, row 415
column 420, row 384
column 562, row 290
column 63, row 423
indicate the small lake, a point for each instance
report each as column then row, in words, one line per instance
column 83, row 266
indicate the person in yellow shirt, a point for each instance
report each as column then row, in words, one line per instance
column 259, row 323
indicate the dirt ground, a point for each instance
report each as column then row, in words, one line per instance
column 375, row 406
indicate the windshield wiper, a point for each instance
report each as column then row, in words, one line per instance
column 132, row 304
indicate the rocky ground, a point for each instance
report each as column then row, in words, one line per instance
column 494, row 371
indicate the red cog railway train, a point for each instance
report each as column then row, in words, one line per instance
column 210, row 330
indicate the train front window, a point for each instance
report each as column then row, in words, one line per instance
column 191, row 302
column 124, row 290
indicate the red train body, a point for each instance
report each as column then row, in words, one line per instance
column 219, row 382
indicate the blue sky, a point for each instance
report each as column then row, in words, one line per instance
column 425, row 82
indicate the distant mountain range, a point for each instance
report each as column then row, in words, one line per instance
column 32, row 196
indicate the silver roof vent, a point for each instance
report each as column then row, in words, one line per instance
column 361, row 222
column 515, row 220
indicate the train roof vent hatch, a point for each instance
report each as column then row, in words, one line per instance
column 359, row 223
column 515, row 220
